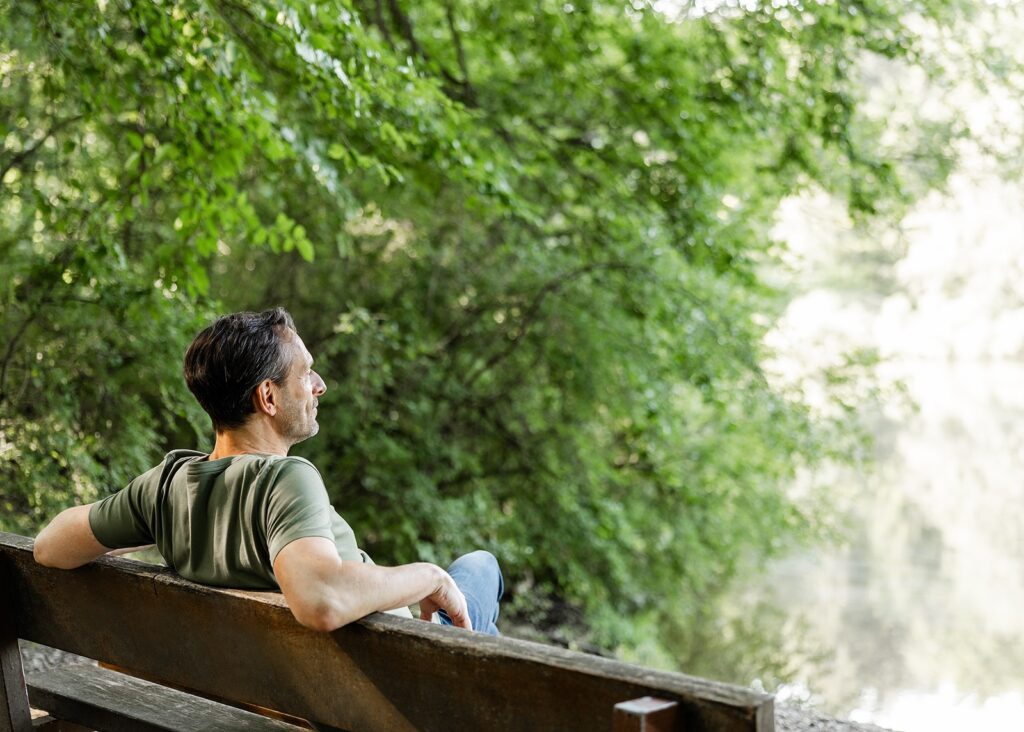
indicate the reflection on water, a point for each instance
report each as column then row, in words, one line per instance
column 917, row 622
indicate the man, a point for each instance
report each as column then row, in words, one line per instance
column 250, row 517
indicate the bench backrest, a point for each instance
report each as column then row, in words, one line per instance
column 381, row 673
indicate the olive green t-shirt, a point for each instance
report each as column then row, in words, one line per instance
column 223, row 522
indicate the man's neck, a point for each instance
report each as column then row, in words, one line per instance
column 249, row 439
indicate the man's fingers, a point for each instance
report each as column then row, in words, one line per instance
column 449, row 598
column 460, row 617
column 458, row 610
column 427, row 609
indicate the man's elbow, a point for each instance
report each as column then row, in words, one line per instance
column 45, row 554
column 320, row 622
column 323, row 615
column 48, row 551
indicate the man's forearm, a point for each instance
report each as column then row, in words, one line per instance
column 361, row 589
column 325, row 592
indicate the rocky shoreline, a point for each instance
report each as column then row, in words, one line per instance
column 787, row 719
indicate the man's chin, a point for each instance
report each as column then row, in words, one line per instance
column 313, row 429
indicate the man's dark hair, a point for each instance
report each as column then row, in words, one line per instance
column 234, row 355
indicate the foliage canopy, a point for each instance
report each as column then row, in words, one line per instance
column 525, row 241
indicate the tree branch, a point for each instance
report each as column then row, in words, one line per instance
column 405, row 26
column 378, row 20
column 29, row 151
column 457, row 89
column 226, row 7
column 469, row 92
column 532, row 313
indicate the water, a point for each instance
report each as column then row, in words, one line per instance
column 916, row 622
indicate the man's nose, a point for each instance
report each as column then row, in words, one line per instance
column 319, row 387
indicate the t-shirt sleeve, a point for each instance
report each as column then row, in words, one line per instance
column 297, row 506
column 123, row 519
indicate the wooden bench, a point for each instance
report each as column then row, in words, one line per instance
column 381, row 673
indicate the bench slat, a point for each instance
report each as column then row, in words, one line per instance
column 102, row 699
column 381, row 673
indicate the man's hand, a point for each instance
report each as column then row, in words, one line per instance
column 447, row 597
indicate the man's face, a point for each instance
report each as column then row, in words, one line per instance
column 299, row 394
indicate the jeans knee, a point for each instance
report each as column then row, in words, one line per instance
column 483, row 559
column 491, row 563
column 483, row 564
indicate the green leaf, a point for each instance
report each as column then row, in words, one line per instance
column 305, row 247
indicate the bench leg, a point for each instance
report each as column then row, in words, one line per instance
column 14, row 712
column 646, row 714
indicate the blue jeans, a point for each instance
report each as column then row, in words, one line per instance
column 478, row 575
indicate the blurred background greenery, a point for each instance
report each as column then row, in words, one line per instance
column 530, row 245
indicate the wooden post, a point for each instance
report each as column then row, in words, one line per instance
column 14, row 712
column 646, row 714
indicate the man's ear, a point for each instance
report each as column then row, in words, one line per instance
column 264, row 398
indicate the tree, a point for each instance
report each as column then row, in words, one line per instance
column 526, row 242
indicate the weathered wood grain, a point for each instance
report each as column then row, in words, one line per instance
column 381, row 673
column 15, row 715
column 101, row 699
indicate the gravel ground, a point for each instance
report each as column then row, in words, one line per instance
column 787, row 719
column 794, row 719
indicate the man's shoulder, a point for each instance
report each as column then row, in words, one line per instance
column 292, row 466
column 166, row 468
column 177, row 456
column 174, row 461
column 296, row 462
column 285, row 483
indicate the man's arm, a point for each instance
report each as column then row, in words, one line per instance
column 325, row 593
column 67, row 541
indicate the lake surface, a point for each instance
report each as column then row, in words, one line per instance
column 917, row 622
